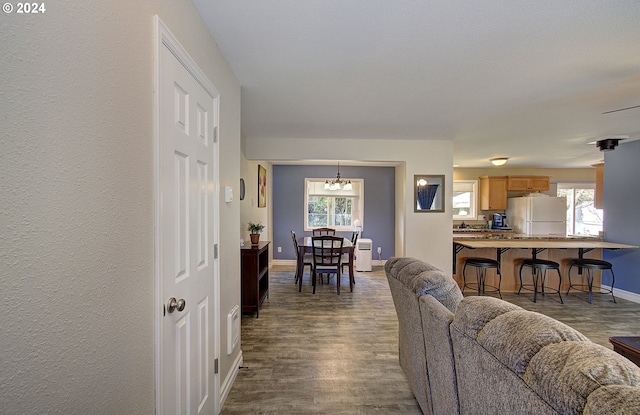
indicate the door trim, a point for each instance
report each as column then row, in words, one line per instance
column 164, row 38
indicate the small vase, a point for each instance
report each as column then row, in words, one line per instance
column 255, row 238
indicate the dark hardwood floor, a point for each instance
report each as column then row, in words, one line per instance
column 330, row 354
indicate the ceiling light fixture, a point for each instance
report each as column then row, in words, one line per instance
column 338, row 183
column 499, row 161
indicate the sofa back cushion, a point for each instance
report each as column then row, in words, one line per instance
column 613, row 399
column 422, row 278
column 559, row 364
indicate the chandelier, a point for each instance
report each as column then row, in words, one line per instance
column 338, row 183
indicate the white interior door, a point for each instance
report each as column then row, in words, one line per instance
column 187, row 115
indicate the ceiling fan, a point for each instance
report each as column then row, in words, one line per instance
column 609, row 143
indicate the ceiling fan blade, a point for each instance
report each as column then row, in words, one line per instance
column 621, row 109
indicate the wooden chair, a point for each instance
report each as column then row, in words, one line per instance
column 345, row 257
column 327, row 255
column 323, row 231
column 308, row 260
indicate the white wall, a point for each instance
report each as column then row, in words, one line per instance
column 426, row 236
column 76, row 211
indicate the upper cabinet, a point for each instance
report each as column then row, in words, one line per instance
column 493, row 192
column 598, row 201
column 493, row 189
column 533, row 183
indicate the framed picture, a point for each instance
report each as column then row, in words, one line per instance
column 428, row 193
column 262, row 187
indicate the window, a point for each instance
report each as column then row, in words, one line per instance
column 336, row 209
column 464, row 199
column 582, row 216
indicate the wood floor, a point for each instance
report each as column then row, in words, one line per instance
column 330, row 354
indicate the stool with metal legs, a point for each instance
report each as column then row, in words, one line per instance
column 591, row 265
column 481, row 265
column 539, row 269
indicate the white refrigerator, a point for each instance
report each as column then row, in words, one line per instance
column 543, row 216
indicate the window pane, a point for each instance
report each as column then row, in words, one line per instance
column 462, row 203
column 342, row 211
column 588, row 219
column 464, row 199
column 333, row 208
column 317, row 212
column 582, row 216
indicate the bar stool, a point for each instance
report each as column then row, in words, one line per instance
column 481, row 265
column 591, row 265
column 539, row 269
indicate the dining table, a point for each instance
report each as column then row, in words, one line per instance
column 305, row 245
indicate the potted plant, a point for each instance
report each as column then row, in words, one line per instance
column 255, row 229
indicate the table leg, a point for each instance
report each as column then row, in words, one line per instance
column 352, row 279
column 300, row 267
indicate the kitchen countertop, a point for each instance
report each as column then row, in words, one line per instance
column 455, row 230
column 541, row 242
column 521, row 236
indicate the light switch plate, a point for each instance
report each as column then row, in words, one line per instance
column 228, row 194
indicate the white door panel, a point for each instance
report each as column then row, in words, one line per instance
column 187, row 116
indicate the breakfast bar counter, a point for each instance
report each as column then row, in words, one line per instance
column 510, row 252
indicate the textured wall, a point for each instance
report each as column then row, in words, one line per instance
column 76, row 202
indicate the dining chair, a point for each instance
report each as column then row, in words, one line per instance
column 323, row 231
column 308, row 260
column 327, row 255
column 345, row 257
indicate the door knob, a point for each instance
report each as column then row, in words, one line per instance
column 174, row 304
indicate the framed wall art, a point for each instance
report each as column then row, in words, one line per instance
column 428, row 193
column 262, row 187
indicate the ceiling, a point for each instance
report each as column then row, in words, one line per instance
column 525, row 80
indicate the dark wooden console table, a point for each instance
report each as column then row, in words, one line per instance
column 254, row 265
column 628, row 347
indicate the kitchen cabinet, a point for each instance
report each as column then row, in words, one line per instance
column 598, row 201
column 254, row 263
column 534, row 183
column 493, row 192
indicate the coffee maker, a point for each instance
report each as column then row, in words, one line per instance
column 499, row 221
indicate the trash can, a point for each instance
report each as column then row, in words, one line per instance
column 363, row 254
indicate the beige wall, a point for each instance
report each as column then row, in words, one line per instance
column 249, row 210
column 77, row 204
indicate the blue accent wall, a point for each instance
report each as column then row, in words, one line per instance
column 288, row 205
column 621, row 213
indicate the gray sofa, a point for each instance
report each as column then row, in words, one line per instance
column 482, row 355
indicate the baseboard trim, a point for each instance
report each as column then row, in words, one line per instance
column 374, row 262
column 627, row 295
column 283, row 262
column 230, row 379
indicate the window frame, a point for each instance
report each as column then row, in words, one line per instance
column 571, row 222
column 473, row 214
column 357, row 205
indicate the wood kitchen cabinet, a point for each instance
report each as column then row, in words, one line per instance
column 254, row 264
column 598, row 201
column 533, row 183
column 493, row 192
